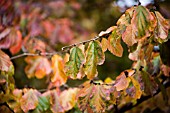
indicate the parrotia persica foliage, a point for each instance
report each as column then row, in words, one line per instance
column 138, row 28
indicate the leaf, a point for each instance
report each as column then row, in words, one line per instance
column 29, row 100
column 137, row 54
column 94, row 57
column 55, row 104
column 150, row 87
column 38, row 66
column 76, row 59
column 162, row 28
column 166, row 70
column 129, row 36
column 92, row 95
column 104, row 43
column 137, row 90
column 122, row 81
column 114, row 45
column 141, row 21
column 5, row 62
column 15, row 48
column 68, row 98
column 43, row 104
column 58, row 77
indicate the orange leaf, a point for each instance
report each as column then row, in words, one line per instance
column 58, row 77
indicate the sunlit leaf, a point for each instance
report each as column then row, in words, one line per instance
column 94, row 57
column 5, row 62
column 76, row 59
column 68, row 98
column 92, row 95
column 38, row 66
column 114, row 45
column 137, row 54
column 150, row 87
column 162, row 28
column 29, row 100
column 58, row 77
column 104, row 43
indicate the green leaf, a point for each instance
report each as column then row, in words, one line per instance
column 150, row 87
column 43, row 104
column 94, row 57
column 140, row 20
column 76, row 59
column 114, row 45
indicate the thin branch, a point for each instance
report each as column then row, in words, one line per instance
column 34, row 54
column 83, row 42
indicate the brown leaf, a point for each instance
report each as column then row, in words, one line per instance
column 104, row 44
column 166, row 70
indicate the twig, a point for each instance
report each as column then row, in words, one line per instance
column 83, row 42
column 34, row 54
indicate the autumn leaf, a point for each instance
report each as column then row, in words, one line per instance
column 29, row 100
column 76, row 59
column 166, row 70
column 141, row 21
column 94, row 57
column 114, row 45
column 92, row 95
column 129, row 36
column 104, row 43
column 58, row 77
column 68, row 98
column 161, row 31
column 5, row 62
column 38, row 66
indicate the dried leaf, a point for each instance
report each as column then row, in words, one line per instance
column 29, row 100
column 38, row 66
column 94, row 57
column 114, row 45
column 162, row 28
column 76, row 59
column 58, row 77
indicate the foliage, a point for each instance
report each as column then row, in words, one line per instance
column 38, row 34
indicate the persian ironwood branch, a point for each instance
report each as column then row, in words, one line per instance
column 76, row 44
column 34, row 54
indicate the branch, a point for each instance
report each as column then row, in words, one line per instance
column 34, row 54
column 129, row 106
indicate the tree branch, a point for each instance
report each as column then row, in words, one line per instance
column 129, row 106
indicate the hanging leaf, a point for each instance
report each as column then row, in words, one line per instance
column 104, row 43
column 150, row 87
column 114, row 45
column 38, row 66
column 161, row 31
column 29, row 100
column 76, row 59
column 94, row 57
column 68, row 98
column 92, row 95
column 58, row 76
column 141, row 21
column 5, row 62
